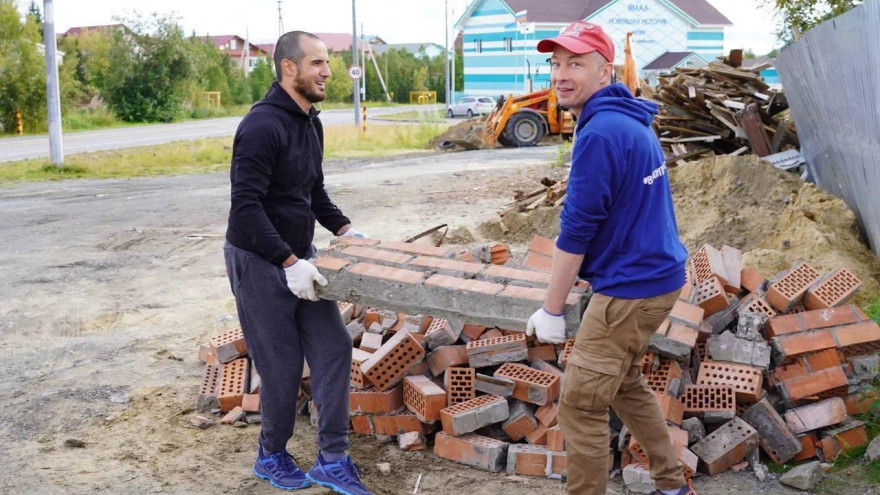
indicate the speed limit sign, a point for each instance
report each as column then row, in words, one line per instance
column 355, row 72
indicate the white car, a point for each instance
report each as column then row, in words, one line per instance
column 470, row 106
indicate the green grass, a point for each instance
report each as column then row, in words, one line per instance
column 415, row 115
column 214, row 154
column 337, row 105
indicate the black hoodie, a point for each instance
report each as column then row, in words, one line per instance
column 277, row 180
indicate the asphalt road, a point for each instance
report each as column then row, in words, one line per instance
column 22, row 148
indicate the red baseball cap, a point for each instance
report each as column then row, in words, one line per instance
column 581, row 37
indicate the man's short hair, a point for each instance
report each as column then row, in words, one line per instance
column 288, row 46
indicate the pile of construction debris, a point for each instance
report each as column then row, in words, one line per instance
column 551, row 193
column 722, row 109
column 440, row 358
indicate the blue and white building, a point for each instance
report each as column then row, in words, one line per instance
column 500, row 55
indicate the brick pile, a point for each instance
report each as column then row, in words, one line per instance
column 741, row 362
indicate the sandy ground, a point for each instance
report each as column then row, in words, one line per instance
column 108, row 287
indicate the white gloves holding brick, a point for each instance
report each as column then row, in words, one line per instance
column 301, row 278
column 547, row 327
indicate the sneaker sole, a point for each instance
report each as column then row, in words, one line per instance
column 307, row 483
column 331, row 486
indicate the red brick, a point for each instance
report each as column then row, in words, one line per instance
column 726, row 446
column 464, row 284
column 679, row 440
column 371, row 342
column 423, row 397
column 518, row 426
column 472, row 331
column 209, row 388
column 233, row 383
column 708, row 398
column 387, row 273
column 555, row 439
column 708, row 263
column 459, row 384
column 411, row 441
column 490, row 334
column 808, row 442
column 547, row 414
column 376, row 254
column 829, row 358
column 471, row 449
column 688, row 288
column 371, row 316
column 682, row 333
column 445, row 357
column 331, row 263
column 250, row 402
column 833, row 289
column 534, row 386
column 794, row 345
column 408, row 247
column 358, row 380
column 858, row 339
column 747, row 381
column 543, row 245
column 710, row 296
column 566, row 353
column 827, row 449
column 814, row 416
column 342, row 242
column 396, row 424
column 236, row 414
column 861, row 403
column 813, row 320
column 531, row 460
column 851, row 437
column 229, row 345
column 362, row 424
column 393, row 360
column 206, row 354
column 829, row 382
column 543, row 352
column 448, row 413
column 789, row 290
column 374, row 401
column 757, row 304
column 688, row 314
column 538, row 261
column 517, row 274
column 539, row 436
column 751, row 280
column 499, row 253
column 489, row 350
column 673, row 409
column 445, row 264
column 786, row 372
column 659, row 379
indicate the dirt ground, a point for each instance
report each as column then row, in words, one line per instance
column 108, row 287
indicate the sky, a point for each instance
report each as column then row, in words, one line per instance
column 395, row 21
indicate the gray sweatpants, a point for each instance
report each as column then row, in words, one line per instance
column 280, row 330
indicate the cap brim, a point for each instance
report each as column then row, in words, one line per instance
column 573, row 45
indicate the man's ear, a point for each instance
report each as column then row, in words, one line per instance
column 289, row 68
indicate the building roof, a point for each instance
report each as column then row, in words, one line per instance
column 78, row 30
column 222, row 39
column 571, row 10
column 341, row 42
column 668, row 60
column 269, row 48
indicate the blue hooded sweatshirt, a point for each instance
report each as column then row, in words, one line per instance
column 618, row 211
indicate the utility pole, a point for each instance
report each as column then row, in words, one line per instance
column 452, row 78
column 446, row 50
column 354, row 59
column 53, row 98
column 364, row 62
column 280, row 20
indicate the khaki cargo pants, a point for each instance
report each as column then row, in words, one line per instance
column 604, row 369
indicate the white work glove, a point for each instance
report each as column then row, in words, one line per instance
column 351, row 232
column 547, row 327
column 301, row 278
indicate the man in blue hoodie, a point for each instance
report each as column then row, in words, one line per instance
column 277, row 195
column 618, row 232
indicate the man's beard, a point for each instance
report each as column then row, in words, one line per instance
column 301, row 87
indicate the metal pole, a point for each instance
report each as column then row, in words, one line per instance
column 354, row 60
column 446, row 50
column 53, row 98
column 364, row 64
column 452, row 78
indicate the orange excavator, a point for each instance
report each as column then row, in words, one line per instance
column 523, row 120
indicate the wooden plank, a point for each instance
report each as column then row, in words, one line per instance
column 751, row 122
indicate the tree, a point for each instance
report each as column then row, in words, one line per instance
column 798, row 16
column 147, row 80
column 22, row 70
column 339, row 87
column 261, row 78
column 748, row 54
column 35, row 15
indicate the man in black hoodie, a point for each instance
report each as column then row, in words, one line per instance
column 277, row 194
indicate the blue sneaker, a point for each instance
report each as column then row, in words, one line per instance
column 281, row 471
column 340, row 476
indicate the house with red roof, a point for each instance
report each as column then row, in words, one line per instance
column 242, row 54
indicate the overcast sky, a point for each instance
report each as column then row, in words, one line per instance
column 396, row 21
